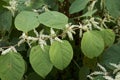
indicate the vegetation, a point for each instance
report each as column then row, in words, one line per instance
column 59, row 40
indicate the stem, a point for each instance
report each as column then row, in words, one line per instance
column 76, row 64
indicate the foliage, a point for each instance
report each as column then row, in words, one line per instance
column 104, row 74
column 59, row 39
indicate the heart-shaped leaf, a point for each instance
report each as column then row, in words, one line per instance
column 61, row 54
column 12, row 66
column 53, row 19
column 26, row 21
column 40, row 60
column 92, row 44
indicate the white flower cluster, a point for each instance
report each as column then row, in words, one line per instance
column 27, row 2
column 40, row 37
column 12, row 6
column 43, row 9
column 87, row 24
column 10, row 49
column 105, row 73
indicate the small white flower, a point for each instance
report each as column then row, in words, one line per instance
column 108, row 78
column 115, row 66
column 1, row 49
column 45, row 8
column 57, row 39
column 53, row 36
column 13, row 6
column 69, row 30
column 104, row 73
column 70, row 35
column 117, row 77
column 52, row 32
column 90, row 77
column 6, row 51
column 20, row 42
column 80, row 33
column 12, row 48
column 27, row 2
column 94, row 23
column 91, row 7
column 28, row 39
column 32, row 38
column 42, row 41
column 85, row 27
column 23, row 36
column 80, row 26
column 36, row 33
column 97, row 73
column 35, row 10
column 102, row 68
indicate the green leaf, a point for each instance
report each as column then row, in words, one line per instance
column 61, row 54
column 5, row 20
column 92, row 44
column 26, row 21
column 12, row 66
column 113, row 7
column 53, row 19
column 108, row 36
column 111, row 55
column 78, row 5
column 40, row 60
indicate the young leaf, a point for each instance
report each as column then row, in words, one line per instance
column 12, row 66
column 26, row 21
column 61, row 54
column 108, row 36
column 53, row 19
column 39, row 59
column 113, row 7
column 78, row 5
column 92, row 44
